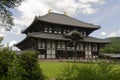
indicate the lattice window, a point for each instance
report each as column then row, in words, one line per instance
column 55, row 30
column 45, row 29
column 64, row 31
column 50, row 30
column 59, row 31
column 94, row 47
column 41, row 44
column 84, row 33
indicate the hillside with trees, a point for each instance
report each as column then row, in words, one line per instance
column 113, row 47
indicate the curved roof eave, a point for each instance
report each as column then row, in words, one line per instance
column 23, row 31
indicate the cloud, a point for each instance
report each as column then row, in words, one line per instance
column 103, row 34
column 93, row 1
column 12, row 43
column 1, row 35
column 107, row 13
column 114, row 34
column 31, row 8
column 2, row 32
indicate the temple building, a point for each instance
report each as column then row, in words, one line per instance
column 59, row 36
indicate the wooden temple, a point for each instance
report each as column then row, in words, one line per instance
column 59, row 36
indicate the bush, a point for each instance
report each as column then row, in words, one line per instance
column 19, row 67
column 102, row 71
column 29, row 62
column 6, row 59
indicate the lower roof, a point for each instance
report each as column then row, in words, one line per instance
column 112, row 55
column 61, row 37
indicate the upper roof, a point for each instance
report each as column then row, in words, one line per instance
column 60, row 37
column 65, row 20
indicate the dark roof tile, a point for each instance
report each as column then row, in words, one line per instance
column 65, row 20
column 60, row 37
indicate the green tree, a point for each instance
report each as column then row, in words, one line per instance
column 6, row 18
column 1, row 38
column 113, row 47
column 15, row 71
column 29, row 62
column 6, row 58
column 22, row 66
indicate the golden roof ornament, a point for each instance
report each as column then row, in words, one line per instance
column 65, row 13
column 49, row 10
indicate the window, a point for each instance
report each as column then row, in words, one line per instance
column 94, row 47
column 84, row 33
column 55, row 30
column 48, row 45
column 50, row 30
column 59, row 44
column 41, row 44
column 59, row 31
column 45, row 29
column 63, row 45
column 53, row 44
column 64, row 31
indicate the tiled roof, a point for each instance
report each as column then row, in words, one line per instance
column 65, row 20
column 60, row 37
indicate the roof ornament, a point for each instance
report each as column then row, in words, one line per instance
column 65, row 13
column 49, row 10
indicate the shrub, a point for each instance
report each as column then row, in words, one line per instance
column 29, row 62
column 101, row 71
column 19, row 67
column 6, row 58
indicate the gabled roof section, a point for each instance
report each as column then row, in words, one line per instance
column 65, row 20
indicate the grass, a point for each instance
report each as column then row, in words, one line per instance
column 52, row 69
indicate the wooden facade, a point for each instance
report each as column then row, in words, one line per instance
column 57, row 36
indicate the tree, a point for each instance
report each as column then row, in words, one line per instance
column 24, row 66
column 6, row 18
column 29, row 62
column 113, row 47
column 6, row 58
column 1, row 38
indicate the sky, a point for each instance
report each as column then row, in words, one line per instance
column 105, row 13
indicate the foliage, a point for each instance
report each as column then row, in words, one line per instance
column 5, row 14
column 101, row 71
column 29, row 62
column 1, row 38
column 113, row 47
column 6, row 58
column 22, row 66
column 16, row 72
